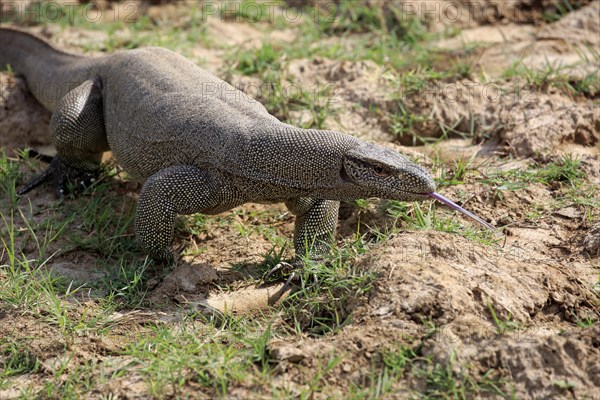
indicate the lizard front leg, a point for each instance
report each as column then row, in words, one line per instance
column 78, row 133
column 176, row 190
column 316, row 222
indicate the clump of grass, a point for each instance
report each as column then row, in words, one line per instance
column 351, row 16
column 502, row 325
column 394, row 364
column 326, row 288
column 456, row 381
column 15, row 359
column 559, row 9
column 320, row 305
column 170, row 357
column 556, row 75
column 416, row 216
column 586, row 322
column 403, row 123
column 254, row 61
column 447, row 380
column 565, row 170
column 127, row 286
column 100, row 228
column 9, row 176
column 456, row 173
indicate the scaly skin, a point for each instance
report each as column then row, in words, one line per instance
column 196, row 143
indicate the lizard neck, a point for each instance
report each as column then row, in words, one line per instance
column 304, row 161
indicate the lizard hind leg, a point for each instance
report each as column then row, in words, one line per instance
column 78, row 133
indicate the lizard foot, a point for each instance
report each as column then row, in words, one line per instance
column 282, row 270
column 65, row 179
column 164, row 257
column 292, row 273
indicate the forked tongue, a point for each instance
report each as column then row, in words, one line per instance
column 456, row 207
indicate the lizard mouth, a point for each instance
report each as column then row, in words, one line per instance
column 458, row 208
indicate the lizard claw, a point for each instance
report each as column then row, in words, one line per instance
column 64, row 177
column 281, row 270
column 292, row 272
column 288, row 282
column 286, row 286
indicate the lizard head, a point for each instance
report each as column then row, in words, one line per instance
column 375, row 171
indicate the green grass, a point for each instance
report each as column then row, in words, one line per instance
column 564, row 172
column 424, row 216
column 556, row 75
column 253, row 61
column 223, row 356
column 169, row 358
column 124, row 28
column 502, row 325
column 278, row 92
column 450, row 380
column 320, row 305
column 455, row 381
column 586, row 322
column 16, row 359
column 403, row 124
column 560, row 9
column 9, row 175
column 394, row 364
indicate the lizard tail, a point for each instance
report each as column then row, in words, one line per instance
column 48, row 71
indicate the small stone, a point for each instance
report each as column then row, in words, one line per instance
column 383, row 311
column 287, row 353
column 568, row 212
column 591, row 241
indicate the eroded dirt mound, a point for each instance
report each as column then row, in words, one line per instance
column 468, row 278
column 526, row 120
column 565, row 47
column 521, row 117
column 545, row 366
column 552, row 121
column 501, row 310
column 466, row 289
column 522, row 11
column 352, row 88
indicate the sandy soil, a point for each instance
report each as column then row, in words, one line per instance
column 543, row 276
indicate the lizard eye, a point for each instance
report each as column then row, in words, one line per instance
column 378, row 170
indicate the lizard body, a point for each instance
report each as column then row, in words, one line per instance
column 197, row 144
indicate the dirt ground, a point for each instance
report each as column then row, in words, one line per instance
column 540, row 278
